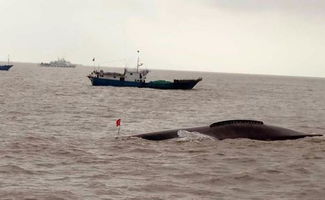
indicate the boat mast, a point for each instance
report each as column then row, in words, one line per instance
column 8, row 59
column 138, row 64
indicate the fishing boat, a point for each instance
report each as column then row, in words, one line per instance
column 137, row 78
column 6, row 67
column 59, row 63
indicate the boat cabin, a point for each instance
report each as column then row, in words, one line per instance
column 134, row 75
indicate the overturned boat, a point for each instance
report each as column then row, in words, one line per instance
column 137, row 78
column 231, row 129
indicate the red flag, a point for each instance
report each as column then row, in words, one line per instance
column 118, row 122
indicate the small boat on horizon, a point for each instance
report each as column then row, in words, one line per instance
column 6, row 67
column 137, row 78
column 59, row 63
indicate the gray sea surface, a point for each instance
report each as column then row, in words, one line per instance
column 59, row 139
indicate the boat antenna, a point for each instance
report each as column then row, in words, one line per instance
column 8, row 59
column 138, row 64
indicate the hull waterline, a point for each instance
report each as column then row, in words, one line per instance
column 177, row 84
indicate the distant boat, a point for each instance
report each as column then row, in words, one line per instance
column 136, row 78
column 59, row 63
column 6, row 67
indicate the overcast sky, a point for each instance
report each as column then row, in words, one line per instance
column 283, row 37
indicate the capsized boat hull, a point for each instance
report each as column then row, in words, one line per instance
column 177, row 84
column 231, row 129
column 5, row 67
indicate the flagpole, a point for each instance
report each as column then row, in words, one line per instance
column 118, row 130
column 94, row 63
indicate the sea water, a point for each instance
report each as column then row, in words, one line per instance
column 59, row 139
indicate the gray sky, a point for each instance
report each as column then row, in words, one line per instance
column 284, row 37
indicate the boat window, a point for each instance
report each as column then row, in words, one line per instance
column 130, row 73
